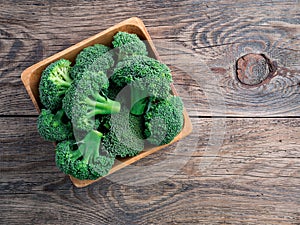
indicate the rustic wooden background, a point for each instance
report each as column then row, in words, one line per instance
column 252, row 178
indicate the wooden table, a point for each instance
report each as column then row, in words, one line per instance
column 243, row 97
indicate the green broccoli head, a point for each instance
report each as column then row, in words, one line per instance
column 93, row 58
column 86, row 99
column 125, row 134
column 80, row 134
column 128, row 45
column 119, row 94
column 146, row 76
column 84, row 160
column 88, row 82
column 54, row 127
column 55, row 81
column 163, row 120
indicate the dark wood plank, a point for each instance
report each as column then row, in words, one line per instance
column 218, row 33
column 234, row 170
column 252, row 178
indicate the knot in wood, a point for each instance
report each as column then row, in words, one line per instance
column 253, row 69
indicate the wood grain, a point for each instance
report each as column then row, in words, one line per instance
column 253, row 178
column 215, row 32
column 32, row 75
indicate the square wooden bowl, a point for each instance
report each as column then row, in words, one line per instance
column 31, row 78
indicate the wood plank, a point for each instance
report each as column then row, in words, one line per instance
column 237, row 171
column 217, row 33
column 252, row 178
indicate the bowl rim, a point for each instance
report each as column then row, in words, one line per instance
column 27, row 74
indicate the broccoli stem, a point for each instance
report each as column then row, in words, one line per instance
column 61, row 77
column 90, row 146
column 61, row 82
column 77, row 154
column 65, row 74
column 98, row 97
column 58, row 118
column 59, row 115
column 105, row 106
column 139, row 101
column 61, row 92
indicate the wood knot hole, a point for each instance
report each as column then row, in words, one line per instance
column 252, row 69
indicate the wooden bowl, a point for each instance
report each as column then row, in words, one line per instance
column 31, row 78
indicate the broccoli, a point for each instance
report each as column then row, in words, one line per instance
column 55, row 81
column 119, row 94
column 98, row 80
column 111, row 117
column 128, row 45
column 93, row 58
column 163, row 120
column 54, row 127
column 125, row 134
column 146, row 76
column 86, row 99
column 84, row 160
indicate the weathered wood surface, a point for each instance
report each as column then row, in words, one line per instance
column 219, row 32
column 253, row 179
column 235, row 170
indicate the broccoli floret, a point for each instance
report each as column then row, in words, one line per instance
column 80, row 134
column 125, row 134
column 54, row 127
column 146, row 76
column 93, row 58
column 163, row 120
column 84, row 160
column 55, row 81
column 128, row 45
column 90, row 81
column 119, row 94
column 86, row 99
